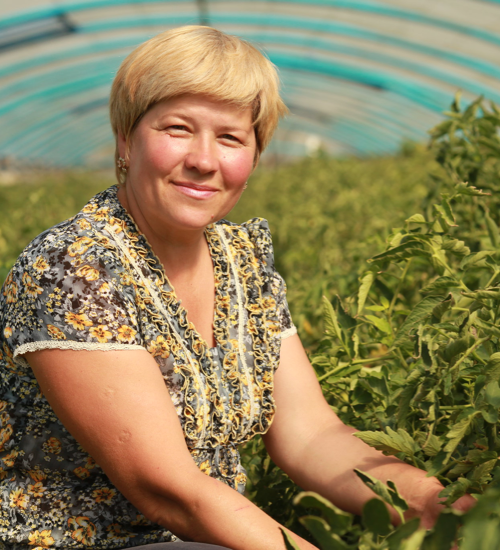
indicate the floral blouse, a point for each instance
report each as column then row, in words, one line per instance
column 94, row 283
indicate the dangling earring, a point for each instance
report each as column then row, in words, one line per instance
column 122, row 164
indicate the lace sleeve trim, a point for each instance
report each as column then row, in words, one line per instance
column 76, row 346
column 288, row 332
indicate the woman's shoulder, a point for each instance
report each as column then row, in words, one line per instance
column 77, row 233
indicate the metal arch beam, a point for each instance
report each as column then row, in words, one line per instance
column 280, row 40
column 344, row 71
column 101, row 76
column 333, row 47
column 68, row 89
column 366, row 6
column 301, row 24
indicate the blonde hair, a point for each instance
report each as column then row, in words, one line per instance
column 196, row 60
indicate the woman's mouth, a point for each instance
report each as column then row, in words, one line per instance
column 194, row 190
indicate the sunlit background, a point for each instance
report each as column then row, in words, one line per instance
column 360, row 77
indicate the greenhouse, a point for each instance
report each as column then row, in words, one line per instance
column 360, row 77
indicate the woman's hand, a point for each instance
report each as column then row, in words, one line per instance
column 309, row 442
column 429, row 505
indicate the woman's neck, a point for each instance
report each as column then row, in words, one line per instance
column 180, row 251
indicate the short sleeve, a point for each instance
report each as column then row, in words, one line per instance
column 69, row 293
column 260, row 235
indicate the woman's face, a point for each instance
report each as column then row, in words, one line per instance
column 189, row 159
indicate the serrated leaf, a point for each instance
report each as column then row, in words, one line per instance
column 446, row 212
column 376, row 517
column 476, row 260
column 482, row 471
column 441, row 283
column 364, row 289
column 465, row 189
column 457, row 432
column 455, row 490
column 432, row 446
column 391, row 442
column 418, row 315
column 330, row 318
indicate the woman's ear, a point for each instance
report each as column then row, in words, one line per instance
column 122, row 146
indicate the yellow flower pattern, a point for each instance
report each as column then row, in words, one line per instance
column 73, row 287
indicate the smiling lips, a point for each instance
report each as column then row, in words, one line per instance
column 195, row 191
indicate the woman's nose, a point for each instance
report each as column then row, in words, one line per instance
column 202, row 155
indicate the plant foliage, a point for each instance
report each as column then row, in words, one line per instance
column 411, row 358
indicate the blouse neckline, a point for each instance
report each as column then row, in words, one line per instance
column 216, row 249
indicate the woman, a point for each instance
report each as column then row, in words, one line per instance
column 124, row 400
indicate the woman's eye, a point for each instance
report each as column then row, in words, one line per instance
column 229, row 137
column 177, row 127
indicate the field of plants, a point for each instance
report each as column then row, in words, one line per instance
column 393, row 277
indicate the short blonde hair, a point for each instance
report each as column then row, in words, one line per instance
column 196, row 60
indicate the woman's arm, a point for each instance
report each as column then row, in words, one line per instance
column 116, row 405
column 310, row 443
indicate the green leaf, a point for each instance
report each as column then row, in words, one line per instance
column 441, row 283
column 415, row 541
column 493, row 231
column 457, row 433
column 376, row 486
column 404, row 531
column 397, row 499
column 347, row 323
column 380, row 323
column 482, row 523
column 401, row 252
column 376, row 517
column 465, row 189
column 444, row 533
column 455, row 490
column 492, row 369
column 439, row 310
column 419, row 313
column 492, row 394
column 323, row 534
column 391, row 442
column 476, row 260
column 432, row 446
column 444, row 209
column 388, row 493
column 290, row 544
column 481, row 473
column 332, row 327
column 338, row 520
column 364, row 289
column 416, row 218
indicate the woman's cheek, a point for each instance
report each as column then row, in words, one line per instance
column 238, row 167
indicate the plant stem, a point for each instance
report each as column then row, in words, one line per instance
column 469, row 351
